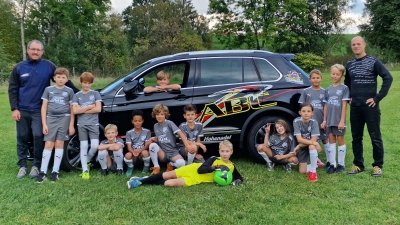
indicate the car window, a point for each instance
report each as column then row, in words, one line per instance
column 175, row 70
column 266, row 70
column 249, row 72
column 216, row 71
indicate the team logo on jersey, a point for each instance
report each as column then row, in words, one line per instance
column 284, row 144
column 142, row 138
column 91, row 97
column 195, row 133
column 339, row 92
column 321, row 96
column 64, row 94
column 164, row 129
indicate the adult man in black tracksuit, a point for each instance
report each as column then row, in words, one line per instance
column 27, row 82
column 361, row 78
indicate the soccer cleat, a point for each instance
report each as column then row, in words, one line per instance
column 85, row 175
column 270, row 166
column 340, row 168
column 156, row 170
column 41, row 177
column 120, row 172
column 128, row 172
column 145, row 169
column 104, row 172
column 138, row 178
column 169, row 167
column 312, row 176
column 54, row 176
column 328, row 164
column 21, row 173
column 288, row 168
column 376, row 171
column 354, row 170
column 34, row 172
column 331, row 169
column 133, row 184
column 320, row 164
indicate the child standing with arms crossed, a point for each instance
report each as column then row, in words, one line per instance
column 166, row 150
column 194, row 173
column 337, row 96
column 193, row 131
column 137, row 144
column 87, row 105
column 279, row 147
column 306, row 130
column 315, row 95
column 57, row 121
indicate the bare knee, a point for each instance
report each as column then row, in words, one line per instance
column 128, row 155
column 145, row 153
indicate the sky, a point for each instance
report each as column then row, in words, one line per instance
column 202, row 5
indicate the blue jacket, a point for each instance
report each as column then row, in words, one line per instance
column 27, row 82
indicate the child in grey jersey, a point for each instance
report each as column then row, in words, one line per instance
column 87, row 105
column 57, row 121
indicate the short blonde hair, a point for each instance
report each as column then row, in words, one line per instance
column 110, row 126
column 340, row 67
column 226, row 143
column 162, row 75
column 61, row 71
column 86, row 77
column 160, row 108
column 316, row 72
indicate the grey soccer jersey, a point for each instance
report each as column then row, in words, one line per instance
column 165, row 134
column 334, row 102
column 59, row 100
column 281, row 147
column 117, row 140
column 305, row 130
column 84, row 100
column 137, row 140
column 191, row 134
column 317, row 99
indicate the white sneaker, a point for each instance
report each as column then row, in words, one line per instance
column 34, row 172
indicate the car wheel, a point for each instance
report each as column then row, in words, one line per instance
column 256, row 135
column 71, row 159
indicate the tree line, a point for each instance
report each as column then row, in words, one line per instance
column 86, row 35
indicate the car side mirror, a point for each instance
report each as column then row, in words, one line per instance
column 131, row 87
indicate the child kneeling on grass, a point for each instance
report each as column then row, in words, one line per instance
column 194, row 173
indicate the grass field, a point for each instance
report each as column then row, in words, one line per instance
column 265, row 198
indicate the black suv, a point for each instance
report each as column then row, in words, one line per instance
column 236, row 93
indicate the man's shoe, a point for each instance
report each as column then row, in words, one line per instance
column 156, row 170
column 41, row 177
column 288, row 168
column 145, row 169
column 129, row 171
column 328, row 164
column 340, row 168
column 104, row 172
column 331, row 169
column 85, row 175
column 354, row 170
column 169, row 167
column 34, row 172
column 320, row 164
column 120, row 172
column 312, row 176
column 54, row 176
column 376, row 171
column 133, row 184
column 21, row 173
column 270, row 166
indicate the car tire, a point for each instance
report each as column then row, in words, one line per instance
column 71, row 159
column 256, row 135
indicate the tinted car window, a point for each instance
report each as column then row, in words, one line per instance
column 175, row 70
column 267, row 72
column 249, row 72
column 221, row 71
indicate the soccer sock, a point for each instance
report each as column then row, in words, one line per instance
column 94, row 144
column 190, row 158
column 154, row 148
column 146, row 161
column 129, row 162
column 332, row 154
column 153, row 179
column 313, row 160
column 265, row 157
column 102, row 156
column 58, row 154
column 178, row 163
column 119, row 158
column 309, row 168
column 326, row 148
column 341, row 154
column 45, row 160
column 84, row 148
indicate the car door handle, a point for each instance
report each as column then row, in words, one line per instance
column 181, row 97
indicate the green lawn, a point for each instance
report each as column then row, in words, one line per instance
column 265, row 198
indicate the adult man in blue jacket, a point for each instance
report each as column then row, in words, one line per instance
column 27, row 82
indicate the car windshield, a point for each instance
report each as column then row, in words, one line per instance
column 117, row 82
